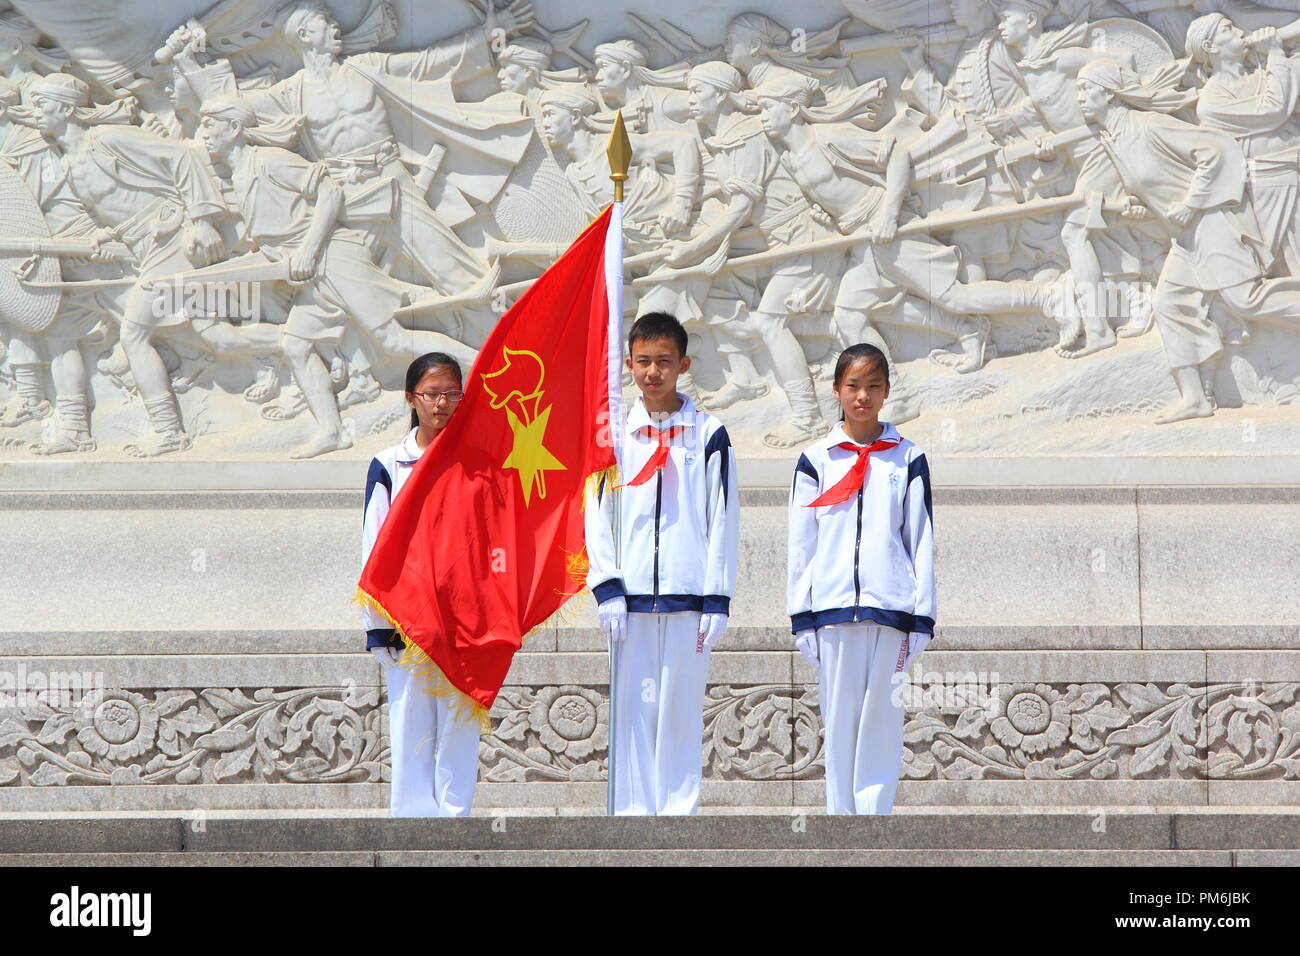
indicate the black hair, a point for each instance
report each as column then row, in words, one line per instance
column 857, row 353
column 427, row 363
column 658, row 325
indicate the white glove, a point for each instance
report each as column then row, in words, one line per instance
column 916, row 642
column 613, row 618
column 387, row 656
column 806, row 641
column 711, row 628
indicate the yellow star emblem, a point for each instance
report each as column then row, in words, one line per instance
column 529, row 456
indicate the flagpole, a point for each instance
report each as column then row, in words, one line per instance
column 619, row 152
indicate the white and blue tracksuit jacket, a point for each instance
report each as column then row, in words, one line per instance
column 870, row 558
column 680, row 529
column 388, row 473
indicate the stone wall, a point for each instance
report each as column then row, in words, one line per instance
column 1140, row 644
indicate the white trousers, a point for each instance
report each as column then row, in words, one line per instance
column 435, row 753
column 658, row 701
column 862, row 715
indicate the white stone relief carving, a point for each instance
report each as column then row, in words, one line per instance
column 1054, row 264
column 1025, row 731
column 180, row 736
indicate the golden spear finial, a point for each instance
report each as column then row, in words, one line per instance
column 620, row 155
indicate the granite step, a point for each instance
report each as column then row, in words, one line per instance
column 923, row 835
column 801, row 858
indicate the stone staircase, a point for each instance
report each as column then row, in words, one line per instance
column 932, row 836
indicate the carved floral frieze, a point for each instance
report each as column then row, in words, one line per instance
column 766, row 732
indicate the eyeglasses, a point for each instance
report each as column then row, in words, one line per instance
column 452, row 396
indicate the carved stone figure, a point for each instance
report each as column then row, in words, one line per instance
column 854, row 170
column 656, row 205
column 1258, row 107
column 537, row 203
column 759, row 193
column 342, row 104
column 763, row 51
column 37, row 177
column 1048, row 61
column 983, row 80
column 158, row 198
column 23, row 60
column 291, row 210
column 1193, row 180
column 652, row 101
column 861, row 180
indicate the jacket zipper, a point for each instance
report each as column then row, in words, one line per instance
column 659, row 494
column 857, row 549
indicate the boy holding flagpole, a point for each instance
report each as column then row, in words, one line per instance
column 486, row 540
column 664, row 579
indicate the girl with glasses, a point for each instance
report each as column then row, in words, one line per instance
column 434, row 751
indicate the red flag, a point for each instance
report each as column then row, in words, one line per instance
column 486, row 539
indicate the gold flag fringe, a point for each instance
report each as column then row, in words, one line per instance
column 424, row 669
column 575, row 568
column 610, row 475
column 576, row 563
